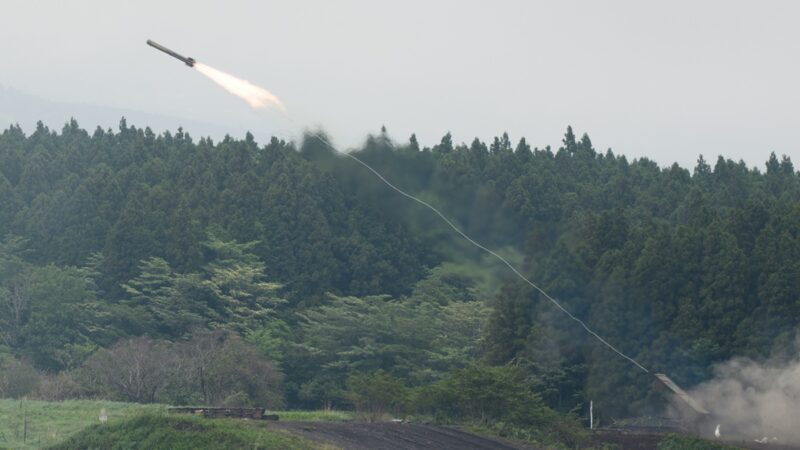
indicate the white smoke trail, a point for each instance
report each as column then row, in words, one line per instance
column 256, row 96
column 480, row 246
column 259, row 97
column 755, row 401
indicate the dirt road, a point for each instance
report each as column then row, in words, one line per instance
column 392, row 436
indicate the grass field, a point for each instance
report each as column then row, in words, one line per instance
column 678, row 442
column 317, row 416
column 35, row 424
column 50, row 423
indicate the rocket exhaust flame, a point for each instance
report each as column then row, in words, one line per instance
column 257, row 97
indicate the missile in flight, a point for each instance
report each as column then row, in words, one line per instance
column 255, row 96
column 188, row 61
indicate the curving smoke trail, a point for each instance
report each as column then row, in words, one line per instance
column 259, row 97
column 256, row 96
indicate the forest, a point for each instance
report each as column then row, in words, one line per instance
column 285, row 275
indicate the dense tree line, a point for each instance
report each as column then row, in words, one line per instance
column 132, row 195
column 331, row 276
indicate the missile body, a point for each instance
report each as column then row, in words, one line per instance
column 188, row 61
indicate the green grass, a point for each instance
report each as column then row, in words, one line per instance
column 316, row 416
column 178, row 432
column 680, row 442
column 52, row 422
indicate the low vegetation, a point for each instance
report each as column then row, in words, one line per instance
column 499, row 400
column 51, row 423
column 36, row 424
column 317, row 416
column 680, row 442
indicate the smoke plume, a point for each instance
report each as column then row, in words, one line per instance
column 753, row 401
column 255, row 96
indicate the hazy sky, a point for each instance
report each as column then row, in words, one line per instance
column 663, row 79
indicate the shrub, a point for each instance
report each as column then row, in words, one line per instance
column 500, row 397
column 375, row 394
column 216, row 368
column 134, row 370
column 17, row 379
column 228, row 371
column 58, row 387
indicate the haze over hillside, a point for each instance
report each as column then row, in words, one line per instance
column 26, row 110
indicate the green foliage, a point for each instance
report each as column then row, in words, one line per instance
column 413, row 339
column 500, row 398
column 51, row 316
column 114, row 234
column 480, row 392
column 174, row 432
column 230, row 292
column 165, row 299
column 235, row 277
column 272, row 339
column 134, row 195
column 17, row 379
column 375, row 394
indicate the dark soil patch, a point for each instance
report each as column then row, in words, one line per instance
column 627, row 441
column 392, row 436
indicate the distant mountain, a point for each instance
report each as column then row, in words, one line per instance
column 24, row 109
